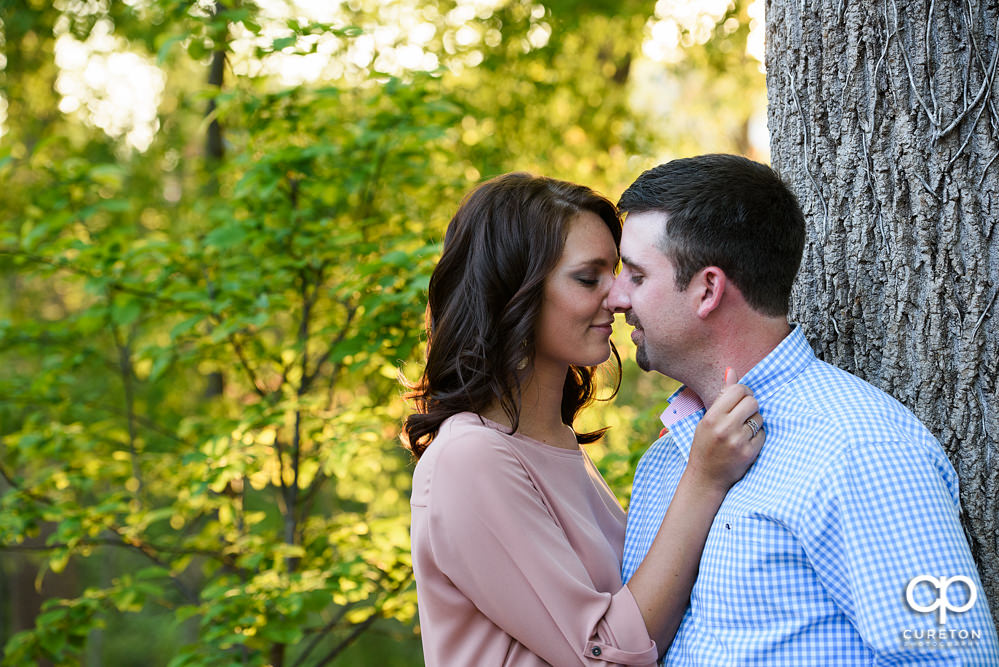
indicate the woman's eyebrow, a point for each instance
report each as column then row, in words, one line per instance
column 596, row 261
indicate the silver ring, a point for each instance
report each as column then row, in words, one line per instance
column 753, row 426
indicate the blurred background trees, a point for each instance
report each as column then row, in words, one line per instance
column 217, row 224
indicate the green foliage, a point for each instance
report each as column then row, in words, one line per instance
column 210, row 381
column 200, row 405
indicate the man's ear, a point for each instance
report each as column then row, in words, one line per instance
column 708, row 287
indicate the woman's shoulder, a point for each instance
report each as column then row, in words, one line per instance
column 465, row 451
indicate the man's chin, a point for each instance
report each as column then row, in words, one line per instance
column 642, row 359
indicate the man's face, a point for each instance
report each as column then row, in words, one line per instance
column 646, row 293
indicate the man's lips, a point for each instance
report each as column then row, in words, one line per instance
column 637, row 333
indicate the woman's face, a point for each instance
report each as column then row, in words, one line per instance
column 575, row 324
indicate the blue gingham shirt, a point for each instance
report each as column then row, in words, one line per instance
column 810, row 555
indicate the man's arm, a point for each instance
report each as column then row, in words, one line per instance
column 889, row 514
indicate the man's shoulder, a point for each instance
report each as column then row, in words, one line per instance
column 662, row 455
column 855, row 409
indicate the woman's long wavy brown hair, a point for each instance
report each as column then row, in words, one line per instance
column 485, row 297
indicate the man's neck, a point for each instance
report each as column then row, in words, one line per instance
column 738, row 347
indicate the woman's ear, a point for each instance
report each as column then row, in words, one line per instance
column 708, row 287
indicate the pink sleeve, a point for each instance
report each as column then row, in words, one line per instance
column 493, row 536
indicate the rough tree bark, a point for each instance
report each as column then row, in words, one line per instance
column 884, row 118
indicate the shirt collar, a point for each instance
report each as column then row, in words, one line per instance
column 682, row 403
column 783, row 364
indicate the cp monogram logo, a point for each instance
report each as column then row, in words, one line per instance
column 941, row 603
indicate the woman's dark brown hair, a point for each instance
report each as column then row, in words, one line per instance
column 485, row 297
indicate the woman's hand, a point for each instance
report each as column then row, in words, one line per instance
column 725, row 444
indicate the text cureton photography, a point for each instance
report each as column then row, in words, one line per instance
column 941, row 602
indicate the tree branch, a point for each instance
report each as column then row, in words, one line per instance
column 359, row 629
column 21, row 488
column 321, row 633
column 351, row 311
column 244, row 363
column 127, row 378
column 182, row 306
column 145, row 549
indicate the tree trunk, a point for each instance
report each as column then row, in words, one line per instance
column 214, row 154
column 884, row 119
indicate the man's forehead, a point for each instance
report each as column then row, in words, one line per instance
column 641, row 236
column 644, row 224
column 646, row 217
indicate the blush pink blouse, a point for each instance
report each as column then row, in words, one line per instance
column 517, row 553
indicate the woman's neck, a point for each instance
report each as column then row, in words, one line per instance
column 540, row 408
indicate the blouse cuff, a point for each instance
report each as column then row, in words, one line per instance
column 622, row 637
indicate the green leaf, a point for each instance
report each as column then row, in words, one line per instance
column 196, row 49
column 116, row 205
column 164, row 50
column 185, row 612
column 111, row 175
column 284, row 42
column 226, row 236
column 183, row 327
column 126, row 310
column 161, row 361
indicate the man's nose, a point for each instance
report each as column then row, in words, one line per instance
column 617, row 298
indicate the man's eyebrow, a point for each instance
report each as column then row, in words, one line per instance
column 632, row 264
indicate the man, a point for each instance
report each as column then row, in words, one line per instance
column 841, row 544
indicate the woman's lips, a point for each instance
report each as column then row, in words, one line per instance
column 605, row 329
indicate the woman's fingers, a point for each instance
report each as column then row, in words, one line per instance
column 744, row 409
column 724, row 444
column 729, row 397
column 754, row 425
column 734, row 406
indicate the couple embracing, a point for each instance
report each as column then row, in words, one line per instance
column 784, row 516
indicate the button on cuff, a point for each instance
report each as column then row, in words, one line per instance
column 614, row 655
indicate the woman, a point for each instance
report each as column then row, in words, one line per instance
column 517, row 539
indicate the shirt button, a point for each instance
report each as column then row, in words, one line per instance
column 596, row 651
